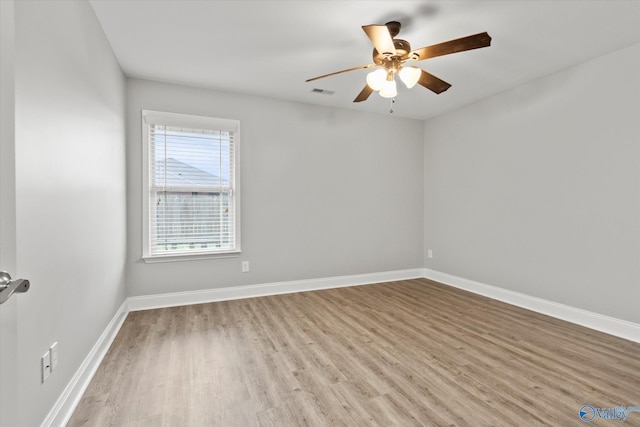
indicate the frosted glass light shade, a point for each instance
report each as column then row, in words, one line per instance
column 410, row 76
column 389, row 89
column 376, row 79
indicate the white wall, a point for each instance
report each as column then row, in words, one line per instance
column 70, row 171
column 9, row 309
column 537, row 190
column 325, row 192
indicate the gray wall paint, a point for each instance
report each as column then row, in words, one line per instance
column 537, row 190
column 71, row 211
column 325, row 192
column 9, row 309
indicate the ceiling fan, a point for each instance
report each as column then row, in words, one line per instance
column 390, row 54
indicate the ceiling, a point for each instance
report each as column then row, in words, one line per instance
column 269, row 48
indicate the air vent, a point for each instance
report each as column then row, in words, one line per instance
column 323, row 91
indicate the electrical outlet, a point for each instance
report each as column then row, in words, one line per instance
column 45, row 364
column 245, row 266
column 429, row 253
column 53, row 352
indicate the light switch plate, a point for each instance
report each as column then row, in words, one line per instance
column 45, row 365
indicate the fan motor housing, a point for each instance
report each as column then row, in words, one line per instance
column 403, row 48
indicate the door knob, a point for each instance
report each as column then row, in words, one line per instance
column 8, row 286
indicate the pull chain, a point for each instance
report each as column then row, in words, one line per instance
column 393, row 101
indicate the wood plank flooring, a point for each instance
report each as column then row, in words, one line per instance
column 405, row 353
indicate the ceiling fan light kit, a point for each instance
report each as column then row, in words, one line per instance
column 389, row 54
column 376, row 79
column 389, row 89
column 410, row 76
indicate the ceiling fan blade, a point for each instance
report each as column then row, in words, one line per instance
column 433, row 83
column 364, row 94
column 381, row 39
column 340, row 72
column 475, row 41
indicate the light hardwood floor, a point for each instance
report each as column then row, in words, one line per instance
column 405, row 353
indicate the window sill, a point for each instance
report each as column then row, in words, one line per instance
column 189, row 257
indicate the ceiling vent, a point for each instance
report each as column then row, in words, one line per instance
column 323, row 91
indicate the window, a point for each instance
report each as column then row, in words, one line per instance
column 191, row 200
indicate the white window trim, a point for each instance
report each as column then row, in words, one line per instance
column 186, row 121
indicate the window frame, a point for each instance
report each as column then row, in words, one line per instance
column 187, row 121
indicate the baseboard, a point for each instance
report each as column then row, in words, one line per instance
column 61, row 412
column 599, row 322
column 147, row 302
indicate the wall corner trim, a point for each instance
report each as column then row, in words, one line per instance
column 62, row 410
column 599, row 322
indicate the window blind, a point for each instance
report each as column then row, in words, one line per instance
column 191, row 189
